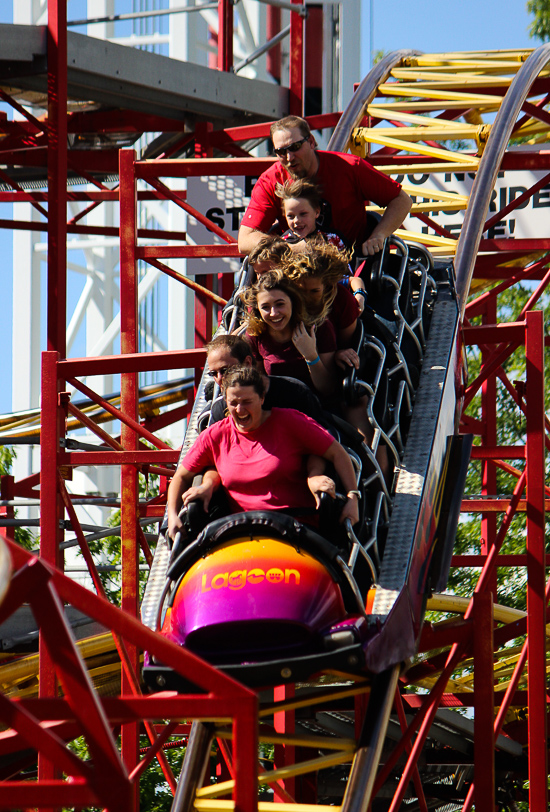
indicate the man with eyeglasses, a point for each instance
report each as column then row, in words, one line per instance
column 227, row 351
column 347, row 183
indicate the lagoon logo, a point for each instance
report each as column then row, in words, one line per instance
column 238, row 578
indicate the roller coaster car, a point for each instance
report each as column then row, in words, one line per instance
column 267, row 598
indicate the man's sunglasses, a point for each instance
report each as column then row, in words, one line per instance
column 213, row 373
column 282, row 151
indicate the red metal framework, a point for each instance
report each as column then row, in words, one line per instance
column 45, row 724
column 476, row 636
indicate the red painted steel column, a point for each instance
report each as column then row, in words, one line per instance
column 296, row 80
column 245, row 756
column 536, row 602
column 273, row 57
column 283, row 722
column 489, row 438
column 57, row 175
column 203, row 305
column 484, row 747
column 52, row 429
column 51, row 515
column 313, row 61
column 129, row 405
column 225, row 35
column 51, row 510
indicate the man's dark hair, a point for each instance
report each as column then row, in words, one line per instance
column 237, row 346
column 288, row 123
column 244, row 376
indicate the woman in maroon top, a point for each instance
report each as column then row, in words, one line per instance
column 284, row 339
column 318, row 272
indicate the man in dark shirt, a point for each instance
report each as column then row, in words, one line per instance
column 226, row 351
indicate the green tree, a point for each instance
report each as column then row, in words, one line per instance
column 108, row 549
column 22, row 536
column 540, row 27
column 511, row 583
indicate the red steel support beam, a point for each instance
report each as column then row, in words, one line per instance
column 51, row 515
column 296, row 80
column 273, row 57
column 222, row 698
column 416, row 775
column 136, row 362
column 536, row 598
column 57, row 175
column 484, row 753
column 245, row 758
column 424, row 718
column 50, row 502
column 225, row 35
column 284, row 722
column 129, row 405
column 203, row 303
column 488, row 468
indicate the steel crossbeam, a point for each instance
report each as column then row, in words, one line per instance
column 46, row 589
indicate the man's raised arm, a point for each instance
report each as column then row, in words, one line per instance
column 248, row 239
column 392, row 219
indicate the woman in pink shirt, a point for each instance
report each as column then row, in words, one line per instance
column 260, row 457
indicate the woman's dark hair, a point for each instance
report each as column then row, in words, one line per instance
column 301, row 189
column 244, row 376
column 273, row 280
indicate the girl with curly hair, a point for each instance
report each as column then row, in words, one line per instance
column 317, row 272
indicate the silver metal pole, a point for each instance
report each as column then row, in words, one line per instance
column 114, row 18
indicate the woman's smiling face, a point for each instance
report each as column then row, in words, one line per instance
column 244, row 405
column 275, row 309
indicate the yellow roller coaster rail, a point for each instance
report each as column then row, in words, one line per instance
column 433, row 114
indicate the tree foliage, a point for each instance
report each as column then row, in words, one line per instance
column 540, row 27
column 22, row 536
column 511, row 430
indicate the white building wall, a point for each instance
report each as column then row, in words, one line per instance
column 93, row 262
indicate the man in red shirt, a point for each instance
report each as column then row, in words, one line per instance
column 347, row 183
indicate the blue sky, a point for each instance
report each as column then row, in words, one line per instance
column 427, row 25
column 446, row 25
